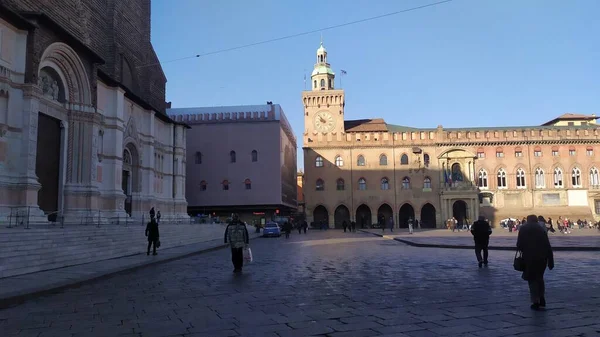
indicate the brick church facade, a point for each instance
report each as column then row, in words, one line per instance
column 366, row 170
column 83, row 129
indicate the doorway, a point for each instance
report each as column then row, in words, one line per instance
column 459, row 211
column 406, row 212
column 47, row 164
column 340, row 215
column 363, row 216
column 126, row 180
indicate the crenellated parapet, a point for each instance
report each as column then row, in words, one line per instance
column 224, row 117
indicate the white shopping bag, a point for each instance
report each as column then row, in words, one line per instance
column 248, row 255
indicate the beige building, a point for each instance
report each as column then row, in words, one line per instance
column 361, row 170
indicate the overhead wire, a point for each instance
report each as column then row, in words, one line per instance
column 219, row 51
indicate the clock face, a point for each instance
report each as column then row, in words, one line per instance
column 324, row 121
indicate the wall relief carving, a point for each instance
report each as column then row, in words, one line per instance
column 51, row 85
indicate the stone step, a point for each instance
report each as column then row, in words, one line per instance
column 27, row 251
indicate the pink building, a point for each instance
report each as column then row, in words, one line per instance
column 239, row 158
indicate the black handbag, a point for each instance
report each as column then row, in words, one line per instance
column 157, row 243
column 519, row 263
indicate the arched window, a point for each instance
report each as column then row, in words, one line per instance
column 232, row 156
column 340, row 184
column 320, row 185
column 360, row 161
column 540, row 180
column 404, row 159
column 383, row 160
column 322, row 83
column 385, row 184
column 254, row 155
column 319, row 161
column 225, row 185
column 482, row 180
column 558, row 178
column 520, row 178
column 203, row 185
column 576, row 177
column 315, row 84
column 330, row 86
column 198, row 158
column 405, row 183
column 339, row 161
column 362, row 184
column 594, row 177
column 501, row 178
column 248, row 184
column 426, row 159
column 427, row 183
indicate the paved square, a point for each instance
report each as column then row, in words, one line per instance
column 326, row 284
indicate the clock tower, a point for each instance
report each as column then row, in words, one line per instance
column 323, row 104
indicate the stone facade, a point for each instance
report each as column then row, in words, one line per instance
column 363, row 169
column 83, row 129
column 251, row 171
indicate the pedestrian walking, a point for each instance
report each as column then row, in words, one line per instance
column 481, row 232
column 158, row 217
column 537, row 254
column 236, row 234
column 344, row 225
column 153, row 235
column 304, row 225
column 299, row 227
column 391, row 223
column 410, row 225
column 353, row 225
column 287, row 228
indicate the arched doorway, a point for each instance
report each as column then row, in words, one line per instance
column 320, row 214
column 459, row 211
column 340, row 215
column 428, row 216
column 406, row 212
column 363, row 216
column 130, row 176
column 385, row 212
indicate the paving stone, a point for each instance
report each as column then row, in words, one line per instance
column 322, row 283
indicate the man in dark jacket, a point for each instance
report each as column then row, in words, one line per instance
column 481, row 231
column 236, row 234
column 152, row 234
column 533, row 242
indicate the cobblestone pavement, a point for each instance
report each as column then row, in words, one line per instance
column 584, row 238
column 327, row 284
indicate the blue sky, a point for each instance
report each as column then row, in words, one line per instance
column 463, row 63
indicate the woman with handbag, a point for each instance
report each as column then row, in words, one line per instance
column 536, row 254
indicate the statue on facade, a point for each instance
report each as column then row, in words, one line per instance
column 457, row 173
column 54, row 90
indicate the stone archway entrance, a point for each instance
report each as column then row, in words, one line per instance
column 384, row 213
column 428, row 216
column 130, row 176
column 320, row 214
column 47, row 164
column 406, row 212
column 459, row 211
column 363, row 216
column 341, row 214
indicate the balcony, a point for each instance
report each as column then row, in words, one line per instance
column 459, row 186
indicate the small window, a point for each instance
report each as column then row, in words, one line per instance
column 203, row 185
column 571, row 123
column 480, row 153
column 383, row 160
column 404, row 159
column 405, row 183
column 499, row 153
column 576, row 177
column 572, row 152
column 537, row 153
column 198, row 158
column 594, row 177
column 426, row 159
column 427, row 183
column 362, row 184
column 521, row 178
column 360, row 161
column 225, row 185
column 385, row 184
column 232, row 157
column 339, row 161
column 589, row 152
column 340, row 184
column 248, row 184
column 320, row 185
column 518, row 153
column 540, row 180
column 254, row 155
column 501, row 178
column 319, row 161
column 554, row 153
column 315, row 84
column 322, row 83
column 482, row 180
column 558, row 178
